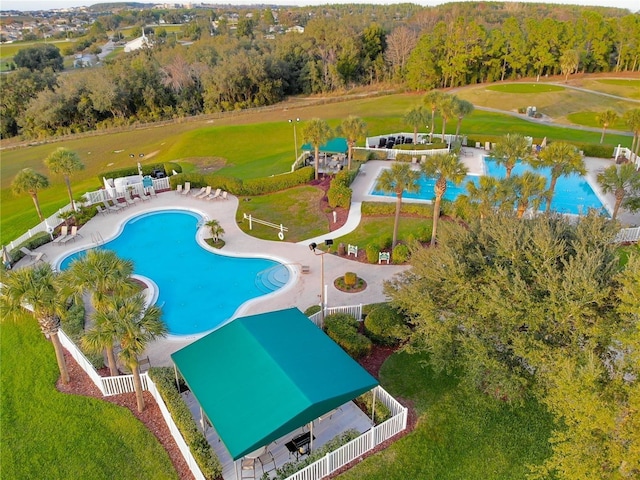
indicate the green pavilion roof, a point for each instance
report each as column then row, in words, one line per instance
column 263, row 376
column 335, row 145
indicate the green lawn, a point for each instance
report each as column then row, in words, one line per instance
column 525, row 88
column 459, row 435
column 295, row 208
column 47, row 434
column 372, row 229
column 589, row 119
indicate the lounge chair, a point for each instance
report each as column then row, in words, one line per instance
column 205, row 193
column 144, row 197
column 152, row 192
column 111, row 208
column 179, row 189
column 73, row 235
column 213, row 196
column 224, row 196
column 129, row 199
column 36, row 256
column 102, row 210
column 64, row 233
column 198, row 193
column 187, row 188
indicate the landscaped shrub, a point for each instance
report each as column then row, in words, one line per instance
column 261, row 186
column 345, row 177
column 332, row 445
column 342, row 249
column 197, row 180
column 339, row 196
column 72, row 323
column 32, row 243
column 229, row 184
column 400, row 254
column 385, row 325
column 382, row 412
column 207, row 460
column 343, row 329
column 313, row 309
column 389, row 208
column 169, row 168
column 596, row 150
column 372, row 252
column 350, row 278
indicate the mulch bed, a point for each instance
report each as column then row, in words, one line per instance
column 81, row 384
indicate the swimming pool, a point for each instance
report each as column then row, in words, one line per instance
column 572, row 195
column 198, row 290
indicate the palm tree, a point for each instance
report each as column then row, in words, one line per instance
column 529, row 190
column 65, row 162
column 215, row 228
column 563, row 159
column 28, row 180
column 605, row 119
column 443, row 167
column 632, row 119
column 103, row 274
column 136, row 326
column 398, row 179
column 316, row 132
column 432, row 100
column 354, row 129
column 446, row 105
column 461, row 108
column 415, row 118
column 510, row 149
column 39, row 288
column 483, row 197
column 569, row 62
column 622, row 181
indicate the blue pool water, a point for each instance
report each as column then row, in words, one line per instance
column 573, row 194
column 198, row 290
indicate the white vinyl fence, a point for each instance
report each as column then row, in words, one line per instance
column 628, row 235
column 124, row 384
column 392, row 153
column 364, row 443
column 353, row 310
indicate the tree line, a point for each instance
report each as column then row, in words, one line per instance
column 230, row 69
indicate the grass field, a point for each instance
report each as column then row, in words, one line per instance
column 48, row 434
column 460, row 434
column 247, row 145
column 525, row 88
column 589, row 119
column 622, row 87
column 372, row 229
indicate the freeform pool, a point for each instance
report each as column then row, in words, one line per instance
column 572, row 195
column 198, row 290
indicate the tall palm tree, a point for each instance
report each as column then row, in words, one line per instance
column 632, row 119
column 563, row 159
column 605, row 119
column 446, row 105
column 30, row 181
column 38, row 287
column 483, row 197
column 136, row 326
column 398, row 179
column 102, row 274
column 432, row 101
column 354, row 129
column 623, row 181
column 316, row 132
column 215, row 228
column 65, row 162
column 461, row 108
column 529, row 190
column 415, row 118
column 443, row 167
column 511, row 148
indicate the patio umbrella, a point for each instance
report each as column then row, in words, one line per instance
column 544, row 142
column 6, row 258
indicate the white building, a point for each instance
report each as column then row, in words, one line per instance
column 137, row 43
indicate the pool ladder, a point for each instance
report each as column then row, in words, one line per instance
column 202, row 222
column 97, row 239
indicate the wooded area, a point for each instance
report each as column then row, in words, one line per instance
column 342, row 47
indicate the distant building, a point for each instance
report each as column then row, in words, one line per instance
column 296, row 28
column 137, row 43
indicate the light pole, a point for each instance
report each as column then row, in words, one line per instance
column 312, row 247
column 295, row 137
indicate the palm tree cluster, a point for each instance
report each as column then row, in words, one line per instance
column 120, row 319
column 448, row 107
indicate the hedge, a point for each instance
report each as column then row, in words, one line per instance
column 339, row 196
column 343, row 329
column 32, row 243
column 382, row 412
column 596, row 150
column 165, row 381
column 384, row 325
column 146, row 170
column 72, row 323
column 389, row 208
column 400, row 254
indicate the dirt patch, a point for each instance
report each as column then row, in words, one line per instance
column 206, row 165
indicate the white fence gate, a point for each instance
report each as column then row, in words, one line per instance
column 353, row 310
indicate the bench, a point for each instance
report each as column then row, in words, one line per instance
column 305, row 269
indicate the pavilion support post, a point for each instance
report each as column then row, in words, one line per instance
column 175, row 370
column 203, row 423
column 373, row 407
column 311, row 437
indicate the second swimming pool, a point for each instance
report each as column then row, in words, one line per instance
column 198, row 290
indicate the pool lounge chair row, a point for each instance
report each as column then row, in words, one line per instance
column 204, row 193
column 66, row 236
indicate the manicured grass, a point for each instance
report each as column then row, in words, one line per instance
column 47, row 434
column 372, row 229
column 295, row 208
column 460, row 434
column 525, row 88
column 589, row 119
column 627, row 82
column 626, row 251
